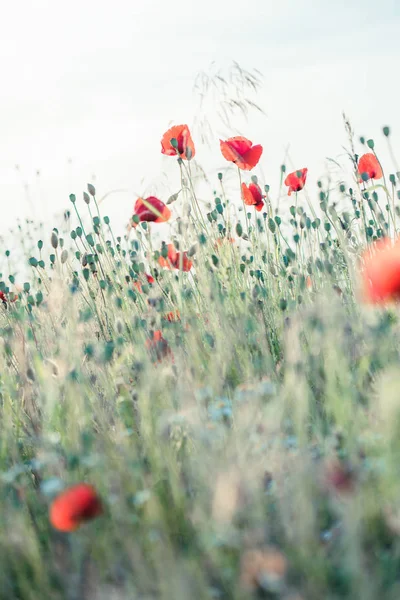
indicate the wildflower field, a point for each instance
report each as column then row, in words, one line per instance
column 215, row 416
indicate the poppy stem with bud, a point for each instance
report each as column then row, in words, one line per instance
column 244, row 205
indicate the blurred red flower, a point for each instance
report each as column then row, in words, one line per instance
column 241, row 151
column 252, row 195
column 5, row 299
column 151, row 209
column 381, row 271
column 340, row 477
column 173, row 315
column 139, row 282
column 74, row 506
column 182, row 144
column 296, row 180
column 369, row 167
column 223, row 242
column 173, row 259
column 158, row 346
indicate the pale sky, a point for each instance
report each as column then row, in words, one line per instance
column 89, row 87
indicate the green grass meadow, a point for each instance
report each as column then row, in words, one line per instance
column 253, row 451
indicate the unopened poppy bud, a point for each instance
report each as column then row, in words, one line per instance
column 86, row 197
column 386, row 131
column 30, row 374
column 91, row 189
column 54, row 240
column 64, row 256
column 172, row 198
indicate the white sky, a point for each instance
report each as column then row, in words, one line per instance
column 88, row 88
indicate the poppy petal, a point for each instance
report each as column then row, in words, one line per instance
column 370, row 166
column 252, row 157
column 185, row 146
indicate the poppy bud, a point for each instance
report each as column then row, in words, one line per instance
column 91, row 189
column 54, row 240
column 172, row 198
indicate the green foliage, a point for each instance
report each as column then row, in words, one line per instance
column 249, row 405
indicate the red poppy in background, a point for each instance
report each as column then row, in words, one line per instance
column 252, row 195
column 5, row 299
column 241, row 151
column 74, row 506
column 158, row 346
column 173, row 259
column 340, row 477
column 172, row 316
column 151, row 209
column 182, row 144
column 223, row 241
column 138, row 283
column 296, row 180
column 369, row 167
column 381, row 272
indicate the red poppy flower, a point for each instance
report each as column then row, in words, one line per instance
column 5, row 299
column 173, row 259
column 74, row 506
column 182, row 144
column 369, row 167
column 139, row 282
column 151, row 209
column 241, row 151
column 339, row 476
column 296, row 180
column 158, row 346
column 381, row 272
column 252, row 195
column 172, row 316
column 223, row 241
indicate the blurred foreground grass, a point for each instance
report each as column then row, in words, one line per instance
column 257, row 457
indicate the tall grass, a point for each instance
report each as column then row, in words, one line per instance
column 261, row 457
